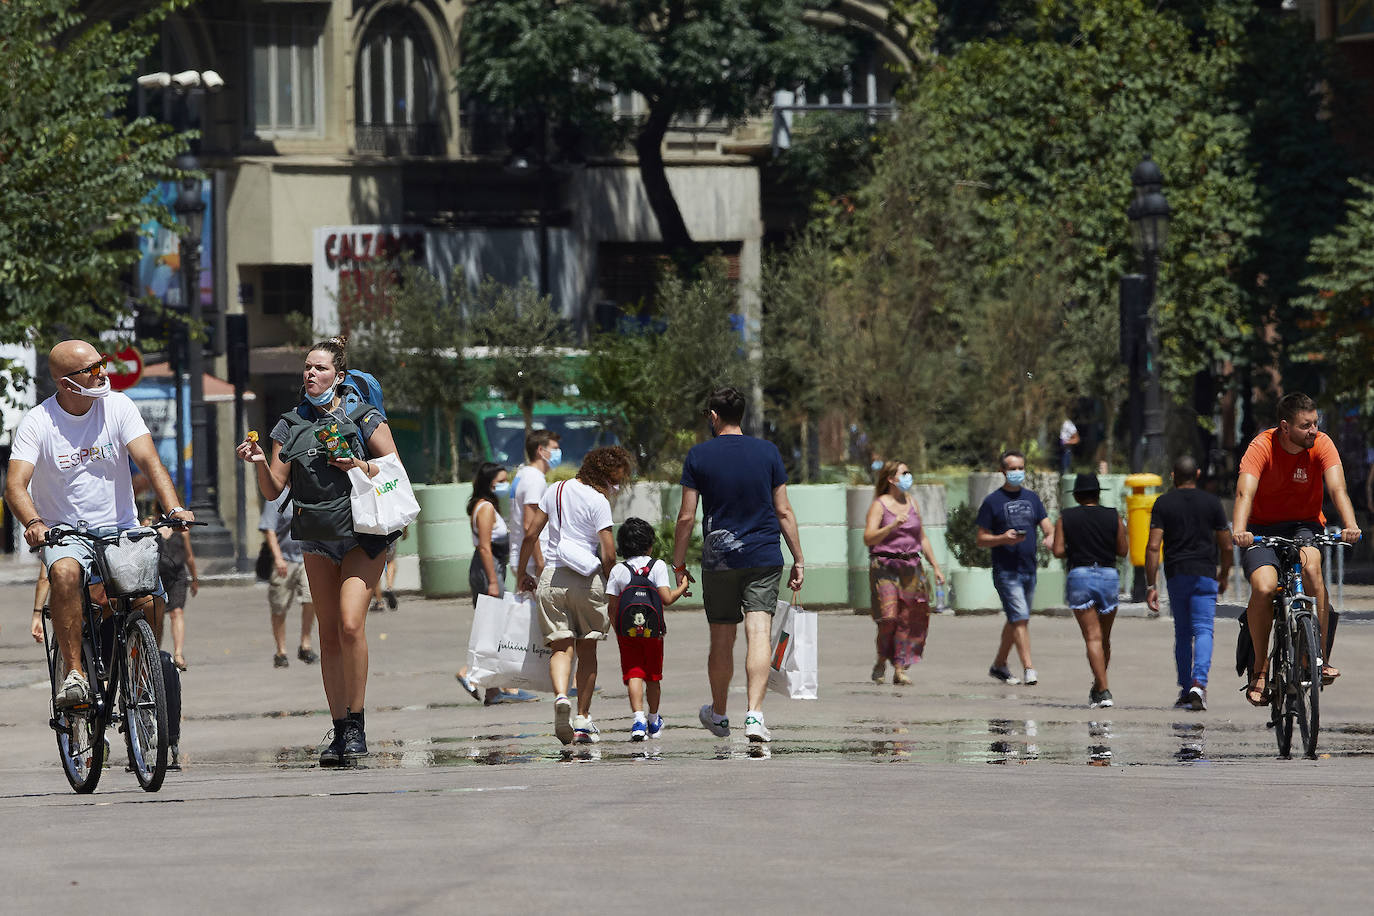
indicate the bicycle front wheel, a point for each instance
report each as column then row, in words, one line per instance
column 80, row 731
column 1307, row 686
column 1280, row 683
column 143, row 703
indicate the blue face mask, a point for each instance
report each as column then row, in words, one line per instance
column 1016, row 478
column 555, row 458
column 904, row 482
column 324, row 398
column 502, row 489
column 877, row 464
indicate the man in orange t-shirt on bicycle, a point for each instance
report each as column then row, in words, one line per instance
column 1280, row 494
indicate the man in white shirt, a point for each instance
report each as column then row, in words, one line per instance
column 69, row 464
column 542, row 454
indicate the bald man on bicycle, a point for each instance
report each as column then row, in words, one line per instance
column 1282, row 479
column 69, row 463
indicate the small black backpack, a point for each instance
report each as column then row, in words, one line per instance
column 640, row 612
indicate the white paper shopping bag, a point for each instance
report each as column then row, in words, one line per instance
column 506, row 647
column 795, row 669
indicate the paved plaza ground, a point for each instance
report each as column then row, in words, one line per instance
column 954, row 795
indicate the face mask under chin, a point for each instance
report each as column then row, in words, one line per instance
column 96, row 393
column 322, row 399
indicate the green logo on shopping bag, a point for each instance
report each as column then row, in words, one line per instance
column 388, row 486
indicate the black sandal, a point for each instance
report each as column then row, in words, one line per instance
column 1253, row 688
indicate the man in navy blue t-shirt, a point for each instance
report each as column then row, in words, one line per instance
column 742, row 487
column 1007, row 520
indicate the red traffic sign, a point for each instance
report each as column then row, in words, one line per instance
column 133, row 369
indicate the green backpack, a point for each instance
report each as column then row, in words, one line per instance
column 321, row 492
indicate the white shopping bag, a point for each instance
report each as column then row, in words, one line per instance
column 506, row 647
column 795, row 671
column 384, row 503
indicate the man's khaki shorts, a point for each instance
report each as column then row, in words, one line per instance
column 571, row 605
column 285, row 591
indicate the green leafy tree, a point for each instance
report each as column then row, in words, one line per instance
column 1341, row 338
column 408, row 328
column 1043, row 129
column 561, row 62
column 653, row 375
column 74, row 176
column 525, row 337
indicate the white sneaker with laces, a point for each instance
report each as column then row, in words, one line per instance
column 1031, row 678
column 754, row 729
column 562, row 719
column 75, row 691
column 585, row 731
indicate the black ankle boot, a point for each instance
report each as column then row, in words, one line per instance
column 332, row 755
column 355, row 740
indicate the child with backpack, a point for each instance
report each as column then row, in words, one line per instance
column 636, row 592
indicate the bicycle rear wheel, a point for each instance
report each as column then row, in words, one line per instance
column 80, row 731
column 1307, row 686
column 143, row 703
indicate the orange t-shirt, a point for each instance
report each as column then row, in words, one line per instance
column 1290, row 486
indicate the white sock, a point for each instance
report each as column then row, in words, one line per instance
column 640, row 717
column 758, row 714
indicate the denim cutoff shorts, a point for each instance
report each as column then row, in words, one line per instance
column 1092, row 586
column 1017, row 591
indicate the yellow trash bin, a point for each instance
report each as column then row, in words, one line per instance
column 1138, row 506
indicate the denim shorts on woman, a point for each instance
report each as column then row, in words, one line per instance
column 1092, row 587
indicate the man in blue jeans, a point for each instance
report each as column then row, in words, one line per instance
column 1190, row 524
column 1007, row 520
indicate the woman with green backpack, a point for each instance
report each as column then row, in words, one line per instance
column 313, row 448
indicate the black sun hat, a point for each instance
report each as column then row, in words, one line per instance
column 1086, row 483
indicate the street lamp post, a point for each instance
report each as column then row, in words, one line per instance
column 1149, row 216
column 214, row 541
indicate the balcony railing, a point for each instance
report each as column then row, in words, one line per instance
column 422, row 139
column 785, row 116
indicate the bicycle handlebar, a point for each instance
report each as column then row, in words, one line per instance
column 1316, row 540
column 60, row 532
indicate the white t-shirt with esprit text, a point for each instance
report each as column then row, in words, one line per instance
column 584, row 514
column 81, row 463
column 620, row 576
column 526, row 490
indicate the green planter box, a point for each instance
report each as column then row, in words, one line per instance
column 973, row 590
column 1049, row 588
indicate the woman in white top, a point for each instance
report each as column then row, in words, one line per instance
column 491, row 537
column 571, row 589
column 487, row 571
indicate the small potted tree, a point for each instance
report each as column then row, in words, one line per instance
column 972, row 580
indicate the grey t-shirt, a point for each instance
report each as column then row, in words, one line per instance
column 276, row 516
column 369, row 425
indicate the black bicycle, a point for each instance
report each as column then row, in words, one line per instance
column 1296, row 653
column 120, row 657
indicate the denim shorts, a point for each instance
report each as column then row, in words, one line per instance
column 1092, row 586
column 1017, row 590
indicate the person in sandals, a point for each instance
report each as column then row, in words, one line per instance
column 896, row 542
column 1283, row 476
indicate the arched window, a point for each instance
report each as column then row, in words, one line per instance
column 399, row 91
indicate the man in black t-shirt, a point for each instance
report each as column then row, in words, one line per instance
column 1191, row 526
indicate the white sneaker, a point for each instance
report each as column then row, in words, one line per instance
column 1031, row 677
column 585, row 731
column 754, row 729
column 75, row 691
column 718, row 727
column 562, row 719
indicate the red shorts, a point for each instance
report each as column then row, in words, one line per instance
column 641, row 657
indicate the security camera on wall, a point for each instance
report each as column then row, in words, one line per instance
column 186, row 80
column 160, row 80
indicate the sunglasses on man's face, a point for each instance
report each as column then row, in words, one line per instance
column 98, row 364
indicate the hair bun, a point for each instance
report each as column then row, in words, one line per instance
column 341, row 340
